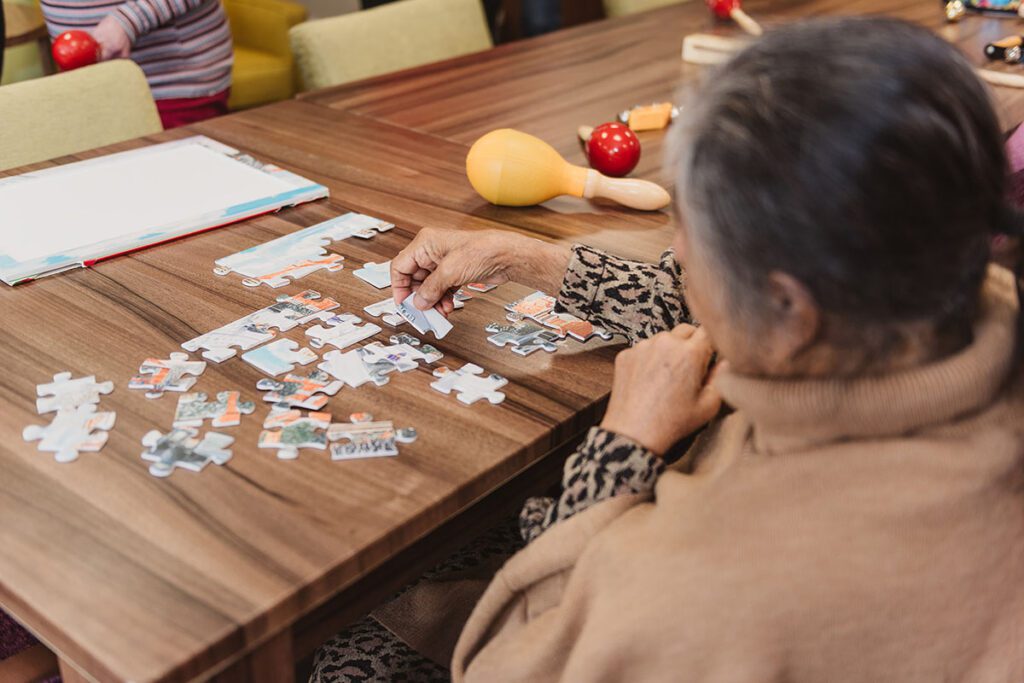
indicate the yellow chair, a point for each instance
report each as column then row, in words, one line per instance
column 387, row 38
column 619, row 8
column 71, row 112
column 264, row 69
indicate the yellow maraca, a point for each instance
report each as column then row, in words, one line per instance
column 510, row 168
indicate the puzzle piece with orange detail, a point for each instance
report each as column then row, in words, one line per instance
column 157, row 375
column 225, row 411
column 292, row 430
column 296, row 391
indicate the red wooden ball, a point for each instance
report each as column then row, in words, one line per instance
column 723, row 8
column 613, row 149
column 74, row 49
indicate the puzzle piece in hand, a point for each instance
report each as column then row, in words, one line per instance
column 524, row 337
column 469, row 384
column 387, row 311
column 64, row 393
column 294, row 430
column 343, row 330
column 157, row 375
column 567, row 324
column 424, row 321
column 352, row 369
column 255, row 328
column 376, row 274
column 535, row 305
column 297, row 391
column 365, row 438
column 279, row 356
column 181, row 448
column 299, row 253
column 226, row 411
column 71, row 431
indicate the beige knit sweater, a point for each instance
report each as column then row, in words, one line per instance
column 868, row 530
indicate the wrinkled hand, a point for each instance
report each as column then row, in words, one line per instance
column 662, row 391
column 113, row 40
column 437, row 262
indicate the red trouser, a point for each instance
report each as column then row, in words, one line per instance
column 181, row 112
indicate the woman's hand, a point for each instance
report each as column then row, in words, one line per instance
column 437, row 262
column 114, row 41
column 661, row 391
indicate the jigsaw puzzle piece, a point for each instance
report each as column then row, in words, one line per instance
column 375, row 274
column 297, row 391
column 387, row 311
column 424, row 352
column 290, row 311
column 218, row 344
column 524, row 337
column 294, row 430
column 342, row 330
column 352, row 369
column 537, row 304
column 481, row 287
column 64, row 393
column 180, row 448
column 72, row 431
column 470, row 386
column 567, row 324
column 365, row 438
column 287, row 274
column 279, row 356
column 225, row 411
column 157, row 375
column 424, row 321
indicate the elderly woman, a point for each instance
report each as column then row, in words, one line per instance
column 859, row 514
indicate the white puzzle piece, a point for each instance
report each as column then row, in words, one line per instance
column 255, row 328
column 299, row 253
column 181, row 448
column 523, row 337
column 342, row 330
column 351, row 369
column 387, row 311
column 424, row 352
column 72, row 431
column 279, row 356
column 480, row 287
column 157, row 375
column 376, row 274
column 225, row 411
column 64, row 393
column 469, row 384
column 365, row 438
column 424, row 321
column 293, row 430
column 540, row 308
column 535, row 305
column 296, row 391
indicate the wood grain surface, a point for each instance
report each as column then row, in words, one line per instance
column 128, row 577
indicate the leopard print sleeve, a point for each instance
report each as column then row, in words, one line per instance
column 605, row 465
column 631, row 298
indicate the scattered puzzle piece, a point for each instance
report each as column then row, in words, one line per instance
column 524, row 337
column 72, row 431
column 365, row 438
column 294, row 431
column 567, row 324
column 532, row 305
column 64, row 393
column 279, row 356
column 480, row 287
column 469, row 385
column 343, row 330
column 157, row 376
column 226, row 411
column 297, row 391
column 300, row 253
column 181, row 448
column 255, row 328
column 387, row 311
column 352, row 370
column 425, row 352
column 375, row 274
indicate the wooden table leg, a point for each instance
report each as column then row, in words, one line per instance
column 271, row 662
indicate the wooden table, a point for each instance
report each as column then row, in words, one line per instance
column 238, row 570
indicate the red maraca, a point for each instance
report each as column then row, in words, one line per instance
column 613, row 149
column 730, row 9
column 74, row 49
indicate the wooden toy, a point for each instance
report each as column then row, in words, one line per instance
column 75, row 49
column 649, row 116
column 510, row 168
column 1007, row 49
column 611, row 148
column 730, row 9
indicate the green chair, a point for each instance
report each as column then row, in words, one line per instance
column 620, row 8
column 388, row 38
column 71, row 112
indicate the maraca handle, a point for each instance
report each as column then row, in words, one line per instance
column 745, row 22
column 632, row 192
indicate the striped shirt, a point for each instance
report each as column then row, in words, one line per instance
column 183, row 46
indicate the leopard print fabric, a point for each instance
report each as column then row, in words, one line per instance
column 631, row 298
column 637, row 300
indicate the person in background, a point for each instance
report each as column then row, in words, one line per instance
column 858, row 515
column 183, row 46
